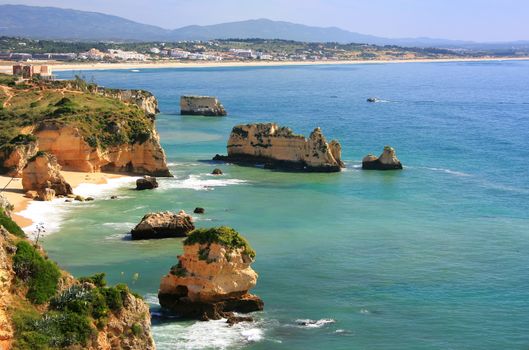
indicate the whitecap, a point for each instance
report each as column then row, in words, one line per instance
column 195, row 182
column 448, row 171
column 308, row 323
column 207, row 335
column 151, row 299
column 105, row 190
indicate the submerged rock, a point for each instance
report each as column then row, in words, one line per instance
column 212, row 277
column 163, row 225
column 146, row 183
column 216, row 171
column 201, row 105
column 278, row 147
column 387, row 161
column 41, row 172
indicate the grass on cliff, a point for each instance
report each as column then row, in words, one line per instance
column 10, row 225
column 103, row 121
column 223, row 235
column 69, row 319
column 41, row 275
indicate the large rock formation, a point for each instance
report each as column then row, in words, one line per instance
column 15, row 155
column 163, row 225
column 278, row 147
column 387, row 161
column 212, row 277
column 75, row 153
column 201, row 105
column 87, row 127
column 43, row 172
column 54, row 310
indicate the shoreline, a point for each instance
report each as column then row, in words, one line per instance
column 59, row 67
column 15, row 194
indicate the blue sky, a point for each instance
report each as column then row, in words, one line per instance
column 480, row 20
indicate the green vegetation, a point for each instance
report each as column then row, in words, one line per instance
column 10, row 225
column 41, row 275
column 222, row 235
column 51, row 331
column 103, row 120
column 68, row 321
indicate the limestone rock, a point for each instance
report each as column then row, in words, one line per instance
column 163, row 225
column 201, row 105
column 216, row 171
column 43, row 171
column 279, row 148
column 212, row 277
column 46, row 194
column 31, row 194
column 15, row 157
column 387, row 161
column 146, row 183
column 74, row 153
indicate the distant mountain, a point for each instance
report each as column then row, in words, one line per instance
column 56, row 23
column 64, row 24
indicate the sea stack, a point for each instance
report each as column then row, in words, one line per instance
column 212, row 277
column 163, row 225
column 43, row 175
column 387, row 161
column 277, row 147
column 201, row 105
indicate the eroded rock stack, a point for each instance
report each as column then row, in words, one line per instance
column 163, row 225
column 212, row 277
column 201, row 105
column 279, row 148
column 43, row 175
column 387, row 161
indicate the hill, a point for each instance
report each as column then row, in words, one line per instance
column 65, row 24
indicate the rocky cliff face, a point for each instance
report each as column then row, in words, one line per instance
column 15, row 158
column 212, row 277
column 387, row 161
column 279, row 147
column 75, row 314
column 141, row 98
column 42, row 174
column 74, row 152
column 201, row 105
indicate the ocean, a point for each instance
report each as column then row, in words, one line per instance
column 431, row 257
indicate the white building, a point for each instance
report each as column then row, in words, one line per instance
column 127, row 55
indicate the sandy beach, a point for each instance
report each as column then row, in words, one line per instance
column 5, row 67
column 14, row 193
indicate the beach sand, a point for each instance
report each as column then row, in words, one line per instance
column 5, row 67
column 15, row 194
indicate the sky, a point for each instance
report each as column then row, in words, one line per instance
column 477, row 20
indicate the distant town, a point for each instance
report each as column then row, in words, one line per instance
column 26, row 50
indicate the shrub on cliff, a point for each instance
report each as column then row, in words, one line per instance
column 223, row 235
column 41, row 275
column 10, row 225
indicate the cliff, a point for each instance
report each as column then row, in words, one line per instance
column 86, row 127
column 201, row 105
column 212, row 277
column 279, row 148
column 43, row 307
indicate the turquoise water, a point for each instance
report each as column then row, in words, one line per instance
column 432, row 257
